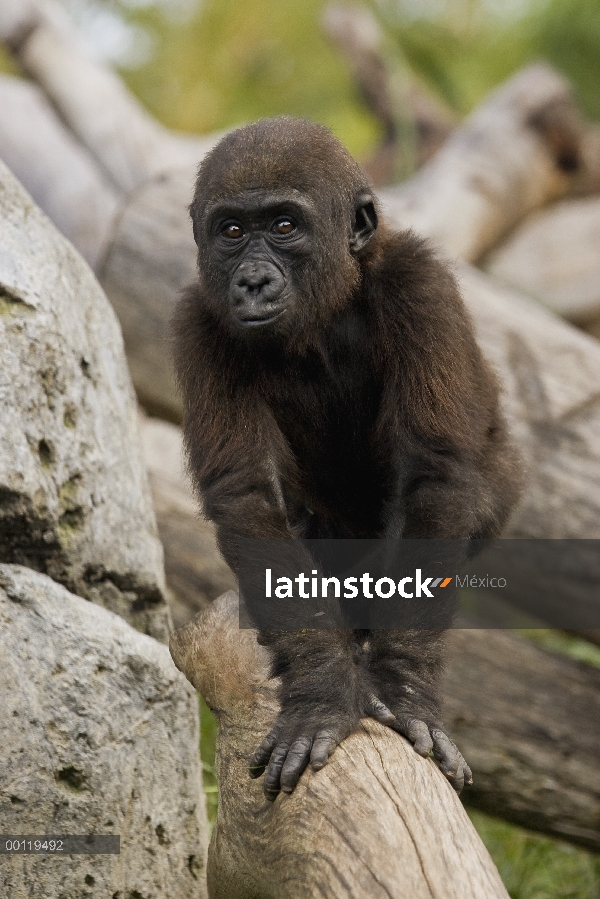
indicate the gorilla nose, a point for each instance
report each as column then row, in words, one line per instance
column 256, row 283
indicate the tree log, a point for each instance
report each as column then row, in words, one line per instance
column 62, row 176
column 377, row 821
column 196, row 572
column 554, row 256
column 152, row 256
column 528, row 723
column 516, row 152
column 128, row 143
column 413, row 122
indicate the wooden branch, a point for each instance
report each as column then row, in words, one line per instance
column 413, row 122
column 128, row 143
column 516, row 152
column 60, row 174
column 377, row 821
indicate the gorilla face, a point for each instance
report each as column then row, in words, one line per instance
column 270, row 254
column 259, row 243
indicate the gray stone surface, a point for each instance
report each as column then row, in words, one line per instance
column 99, row 735
column 74, row 498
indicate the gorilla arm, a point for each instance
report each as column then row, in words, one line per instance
column 235, row 453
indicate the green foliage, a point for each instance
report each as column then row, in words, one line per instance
column 468, row 48
column 234, row 62
column 208, row 739
column 7, row 63
column 534, row 867
column 564, row 644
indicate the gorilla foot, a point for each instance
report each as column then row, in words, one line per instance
column 294, row 742
column 427, row 739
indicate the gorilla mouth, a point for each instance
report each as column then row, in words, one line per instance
column 257, row 320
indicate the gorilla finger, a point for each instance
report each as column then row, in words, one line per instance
column 468, row 774
column 323, row 745
column 450, row 760
column 418, row 734
column 295, row 763
column 260, row 759
column 271, row 783
column 378, row 710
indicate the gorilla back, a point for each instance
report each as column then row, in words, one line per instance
column 332, row 387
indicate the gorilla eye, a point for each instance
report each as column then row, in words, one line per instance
column 284, row 226
column 233, row 231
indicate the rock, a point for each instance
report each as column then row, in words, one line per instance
column 74, row 498
column 99, row 735
column 196, row 572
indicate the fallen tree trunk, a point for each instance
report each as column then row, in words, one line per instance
column 550, row 372
column 554, row 256
column 414, row 123
column 126, row 141
column 196, row 572
column 61, row 175
column 152, row 256
column 515, row 153
column 528, row 723
column 377, row 821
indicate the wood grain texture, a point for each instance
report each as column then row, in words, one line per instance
column 151, row 258
column 62, row 176
column 378, row 821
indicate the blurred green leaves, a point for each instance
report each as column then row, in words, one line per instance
column 234, row 62
column 471, row 46
column 534, row 867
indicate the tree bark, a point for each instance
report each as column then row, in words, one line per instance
column 196, row 572
column 414, row 124
column 377, row 821
column 528, row 723
column 128, row 143
column 554, row 256
column 550, row 373
column 151, row 258
column 61, row 175
column 517, row 151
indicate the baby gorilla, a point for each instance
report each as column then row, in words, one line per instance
column 332, row 387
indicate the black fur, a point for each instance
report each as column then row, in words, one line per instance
column 332, row 369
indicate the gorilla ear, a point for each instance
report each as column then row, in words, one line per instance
column 194, row 215
column 365, row 223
